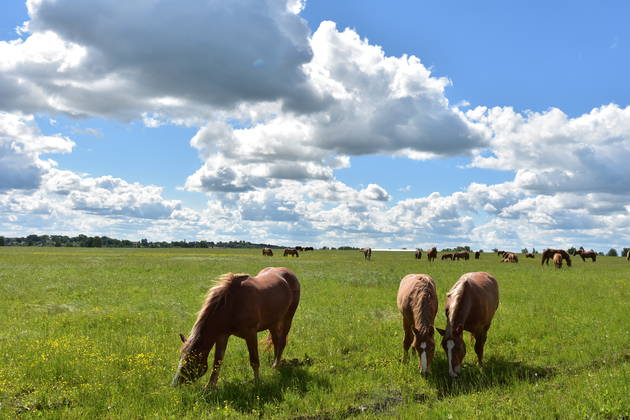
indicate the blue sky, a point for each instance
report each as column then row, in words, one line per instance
column 409, row 124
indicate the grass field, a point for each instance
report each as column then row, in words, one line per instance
column 92, row 333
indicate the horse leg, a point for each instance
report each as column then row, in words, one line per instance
column 407, row 341
column 219, row 352
column 279, row 339
column 480, row 341
column 252, row 346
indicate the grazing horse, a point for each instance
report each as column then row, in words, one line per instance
column 470, row 305
column 557, row 260
column 548, row 254
column 447, row 257
column 587, row 254
column 510, row 257
column 267, row 252
column 477, row 255
column 461, row 255
column 418, row 304
column 299, row 248
column 432, row 254
column 240, row 305
column 418, row 254
column 367, row 253
column 291, row 251
column 530, row 255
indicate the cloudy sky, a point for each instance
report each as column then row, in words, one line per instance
column 326, row 122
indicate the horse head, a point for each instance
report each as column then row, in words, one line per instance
column 424, row 344
column 193, row 363
column 454, row 347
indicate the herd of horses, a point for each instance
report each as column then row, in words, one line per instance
column 241, row 305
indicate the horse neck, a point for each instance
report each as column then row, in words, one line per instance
column 459, row 308
column 425, row 311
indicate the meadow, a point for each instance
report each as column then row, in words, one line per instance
column 92, row 333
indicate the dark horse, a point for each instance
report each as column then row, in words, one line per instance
column 418, row 254
column 470, row 305
column 432, row 254
column 587, row 254
column 267, row 252
column 548, row 254
column 240, row 305
column 291, row 251
column 418, row 304
column 447, row 257
column 461, row 255
column 477, row 254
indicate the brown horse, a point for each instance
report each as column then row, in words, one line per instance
column 557, row 260
column 510, row 257
column 432, row 254
column 548, row 254
column 267, row 252
column 470, row 305
column 461, row 255
column 367, row 253
column 291, row 251
column 418, row 254
column 240, row 305
column 447, row 257
column 530, row 255
column 477, row 255
column 418, row 304
column 587, row 254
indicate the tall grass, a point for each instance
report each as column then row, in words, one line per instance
column 92, row 333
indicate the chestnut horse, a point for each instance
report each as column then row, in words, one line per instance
column 432, row 254
column 291, row 251
column 470, row 305
column 510, row 257
column 367, row 253
column 418, row 304
column 461, row 255
column 587, row 254
column 418, row 254
column 557, row 260
column 548, row 254
column 267, row 252
column 240, row 305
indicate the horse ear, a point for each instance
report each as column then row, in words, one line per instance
column 182, row 337
column 441, row 331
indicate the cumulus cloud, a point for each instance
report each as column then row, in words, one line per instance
column 21, row 147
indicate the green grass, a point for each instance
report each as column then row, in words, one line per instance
column 92, row 333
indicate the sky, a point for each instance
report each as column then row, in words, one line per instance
column 325, row 123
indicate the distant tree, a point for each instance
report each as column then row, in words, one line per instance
column 612, row 252
column 495, row 249
column 524, row 251
column 1, row 240
column 572, row 250
column 534, row 251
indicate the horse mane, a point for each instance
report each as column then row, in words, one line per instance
column 216, row 298
column 455, row 296
column 423, row 307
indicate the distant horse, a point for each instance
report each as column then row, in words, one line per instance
column 418, row 254
column 308, row 248
column 299, row 248
column 587, row 254
column 557, row 260
column 548, row 254
column 447, row 257
column 628, row 256
column 510, row 257
column 367, row 253
column 530, row 255
column 477, row 255
column 267, row 252
column 291, row 251
column 461, row 255
column 418, row 304
column 432, row 254
column 240, row 305
column 470, row 305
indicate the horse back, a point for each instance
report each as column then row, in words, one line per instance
column 415, row 294
column 481, row 297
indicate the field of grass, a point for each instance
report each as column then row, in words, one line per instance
column 92, row 333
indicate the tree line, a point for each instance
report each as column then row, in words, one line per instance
column 85, row 241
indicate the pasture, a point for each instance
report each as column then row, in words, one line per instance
column 92, row 333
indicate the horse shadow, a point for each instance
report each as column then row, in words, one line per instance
column 248, row 395
column 495, row 372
